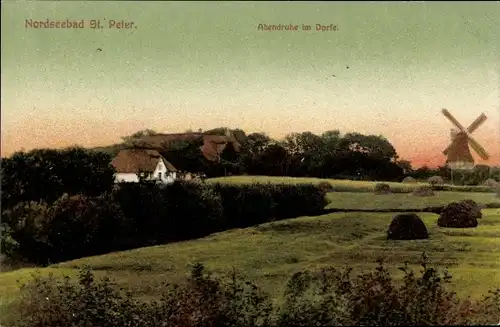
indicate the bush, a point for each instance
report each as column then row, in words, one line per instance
column 297, row 200
column 193, row 210
column 79, row 226
column 8, row 246
column 208, row 301
column 436, row 180
column 409, row 180
column 407, row 226
column 143, row 214
column 49, row 301
column 246, row 205
column 74, row 226
column 174, row 212
column 458, row 215
column 314, row 298
column 326, row 186
column 382, row 188
column 423, row 191
column 26, row 236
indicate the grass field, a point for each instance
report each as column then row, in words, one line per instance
column 366, row 201
column 270, row 253
column 339, row 185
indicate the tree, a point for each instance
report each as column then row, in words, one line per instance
column 138, row 135
column 186, row 155
column 482, row 173
column 405, row 165
column 271, row 161
column 217, row 131
column 373, row 145
column 331, row 140
column 46, row 174
column 303, row 143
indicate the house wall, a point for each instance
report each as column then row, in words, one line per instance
column 166, row 176
column 126, row 177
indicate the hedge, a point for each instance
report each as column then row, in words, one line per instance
column 136, row 214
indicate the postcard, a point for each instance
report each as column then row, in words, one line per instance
column 168, row 141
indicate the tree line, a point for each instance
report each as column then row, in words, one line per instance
column 47, row 174
column 328, row 155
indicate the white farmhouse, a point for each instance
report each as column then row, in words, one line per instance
column 129, row 163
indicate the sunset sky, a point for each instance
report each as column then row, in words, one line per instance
column 203, row 65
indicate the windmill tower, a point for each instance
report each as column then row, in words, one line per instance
column 459, row 156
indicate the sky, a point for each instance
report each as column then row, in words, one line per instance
column 388, row 69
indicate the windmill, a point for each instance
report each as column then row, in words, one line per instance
column 458, row 154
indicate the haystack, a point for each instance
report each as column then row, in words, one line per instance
column 407, row 226
column 436, row 180
column 382, row 188
column 476, row 208
column 458, row 215
column 423, row 191
column 491, row 183
column 409, row 180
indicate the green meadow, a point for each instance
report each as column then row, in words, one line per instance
column 269, row 253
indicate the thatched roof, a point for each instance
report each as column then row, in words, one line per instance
column 134, row 160
column 213, row 145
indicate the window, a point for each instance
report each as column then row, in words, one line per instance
column 159, row 175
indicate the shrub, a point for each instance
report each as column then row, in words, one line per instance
column 74, row 226
column 142, row 214
column 382, row 188
column 174, row 212
column 192, row 210
column 314, row 298
column 326, row 186
column 458, row 215
column 436, row 180
column 297, row 200
column 423, row 191
column 246, row 205
column 208, row 301
column 407, row 226
column 50, row 301
column 26, row 237
column 79, row 226
column 201, row 301
column 409, row 180
column 8, row 246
